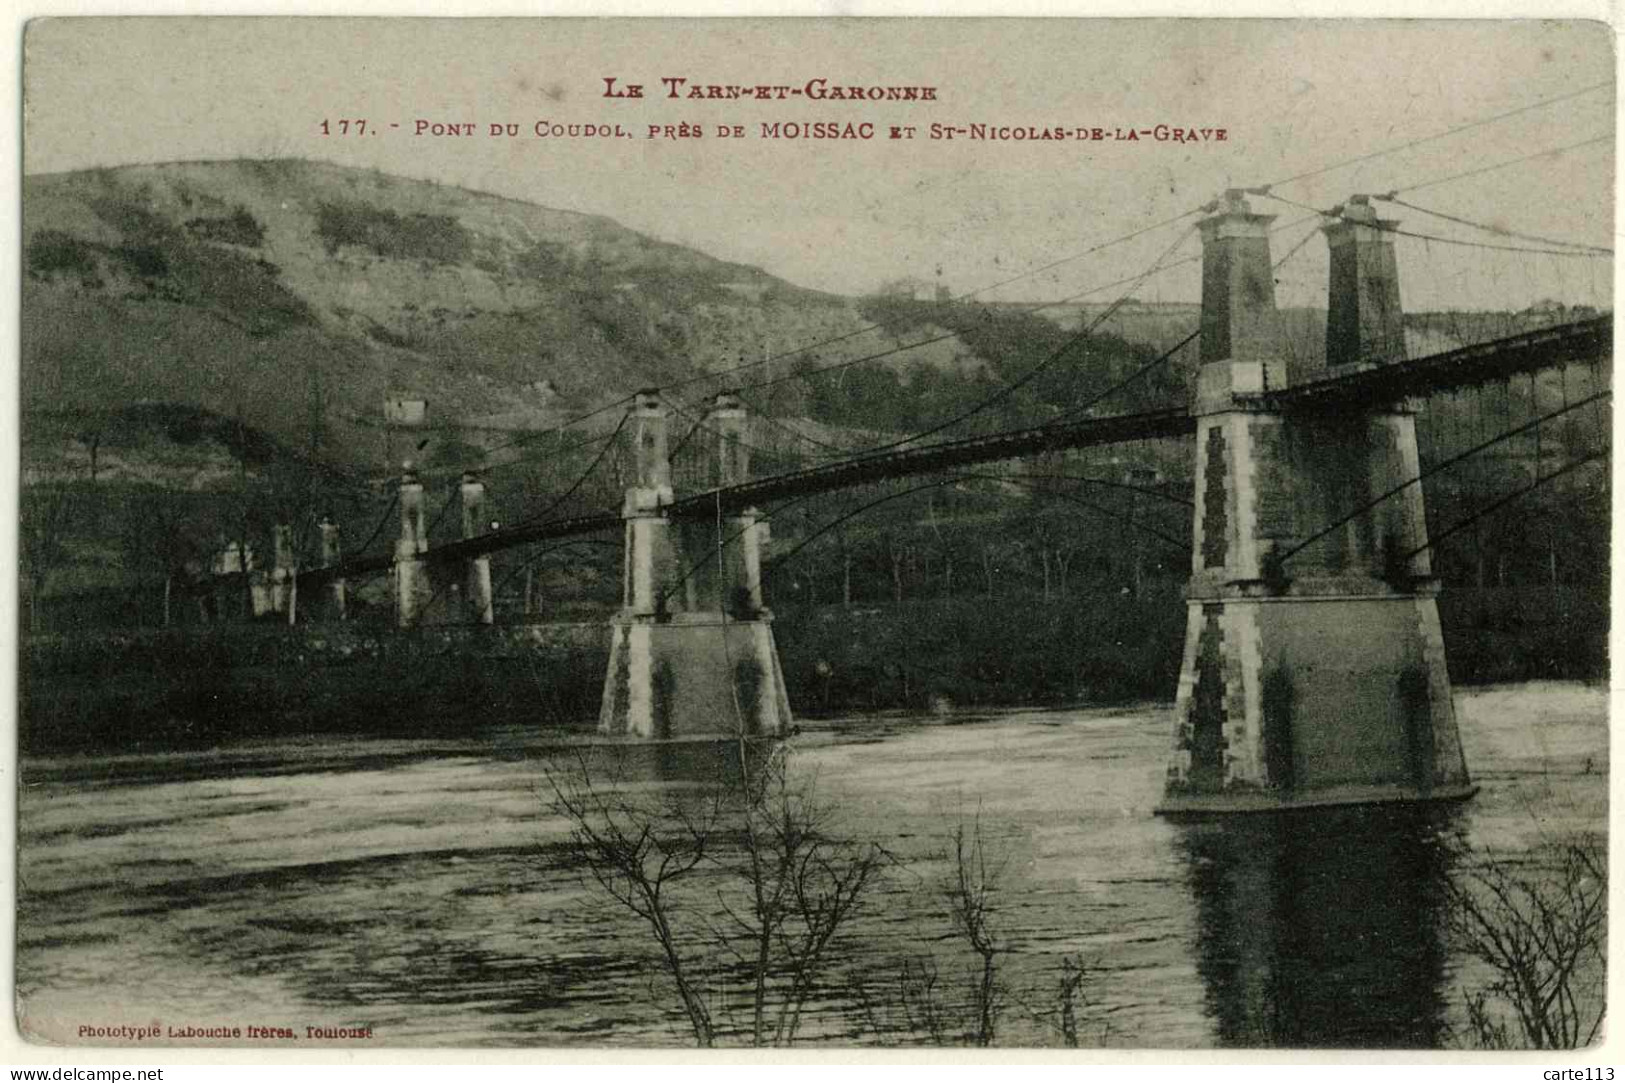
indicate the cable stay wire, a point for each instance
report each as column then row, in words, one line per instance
column 699, row 378
column 1604, row 138
column 692, row 429
column 532, row 558
column 701, row 423
column 1461, row 243
column 609, row 443
column 1490, row 509
column 450, row 581
column 1441, row 465
column 1150, row 365
column 586, row 441
column 1342, row 215
column 779, row 562
column 760, row 414
column 1302, row 241
column 782, row 561
column 955, row 331
column 779, row 509
column 951, row 333
column 525, row 438
column 1264, row 190
column 1160, row 359
column 1033, row 373
column 1500, row 231
column 441, row 514
column 663, row 598
column 1543, row 103
column 394, row 499
column 1128, row 521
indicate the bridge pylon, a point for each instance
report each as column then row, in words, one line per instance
column 1313, row 675
column 477, row 601
column 336, row 591
column 692, row 652
column 413, row 589
column 436, row 593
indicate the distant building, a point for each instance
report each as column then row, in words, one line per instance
column 405, row 408
column 908, row 289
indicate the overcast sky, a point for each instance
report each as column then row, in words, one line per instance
column 848, row 216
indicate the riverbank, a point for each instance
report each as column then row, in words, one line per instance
column 197, row 686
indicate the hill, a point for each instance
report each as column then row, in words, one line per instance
column 255, row 288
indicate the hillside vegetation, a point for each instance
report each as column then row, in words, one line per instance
column 236, row 286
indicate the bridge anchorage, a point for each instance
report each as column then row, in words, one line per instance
column 692, row 651
column 1314, row 669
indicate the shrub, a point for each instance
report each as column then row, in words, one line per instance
column 239, row 227
column 146, row 260
column 438, row 238
column 52, row 252
column 544, row 259
column 1542, row 930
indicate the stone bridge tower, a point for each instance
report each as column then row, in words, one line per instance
column 1311, row 676
column 431, row 594
column 692, row 651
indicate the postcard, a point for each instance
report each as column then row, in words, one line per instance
column 817, row 533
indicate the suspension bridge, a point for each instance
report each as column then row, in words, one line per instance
column 1314, row 669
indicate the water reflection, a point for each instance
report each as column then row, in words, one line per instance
column 1322, row 928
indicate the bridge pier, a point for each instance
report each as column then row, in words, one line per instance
column 336, row 590
column 413, row 590
column 477, row 604
column 283, row 571
column 692, row 650
column 1314, row 669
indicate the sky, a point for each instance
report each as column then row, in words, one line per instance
column 852, row 215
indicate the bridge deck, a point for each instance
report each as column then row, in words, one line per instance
column 1374, row 384
column 1364, row 387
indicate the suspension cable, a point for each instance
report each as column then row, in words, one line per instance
column 1434, row 469
column 609, row 443
column 1446, row 133
column 1032, row 373
column 1605, row 137
column 1499, row 231
column 531, row 560
column 395, row 496
column 1510, row 497
column 1069, row 498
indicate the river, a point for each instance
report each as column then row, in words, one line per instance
column 421, row 887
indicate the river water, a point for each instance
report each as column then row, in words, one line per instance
column 422, row 887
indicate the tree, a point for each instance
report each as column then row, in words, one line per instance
column 785, row 879
column 1541, row 928
column 637, row 854
column 42, row 539
column 969, row 893
column 162, row 539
